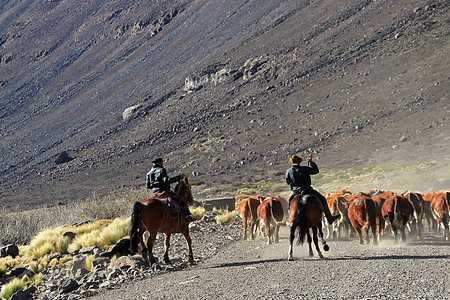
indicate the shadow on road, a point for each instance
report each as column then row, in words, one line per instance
column 245, row 263
column 387, row 257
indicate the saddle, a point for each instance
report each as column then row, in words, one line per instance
column 169, row 201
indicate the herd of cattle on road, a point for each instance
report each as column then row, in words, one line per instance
column 373, row 210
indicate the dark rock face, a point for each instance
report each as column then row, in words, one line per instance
column 63, row 157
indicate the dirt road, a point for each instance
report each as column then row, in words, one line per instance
column 254, row 270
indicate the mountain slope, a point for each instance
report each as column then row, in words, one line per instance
column 224, row 91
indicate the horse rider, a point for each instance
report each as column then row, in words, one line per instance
column 298, row 178
column 158, row 180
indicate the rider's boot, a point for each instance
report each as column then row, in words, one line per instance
column 329, row 217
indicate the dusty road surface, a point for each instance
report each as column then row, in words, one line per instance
column 254, row 270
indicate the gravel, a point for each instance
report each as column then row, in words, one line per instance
column 229, row 268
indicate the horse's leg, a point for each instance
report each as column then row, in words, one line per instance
column 316, row 241
column 151, row 241
column 188, row 239
column 311, row 254
column 324, row 244
column 166, row 248
column 291, row 240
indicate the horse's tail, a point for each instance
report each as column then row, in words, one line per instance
column 135, row 216
column 303, row 224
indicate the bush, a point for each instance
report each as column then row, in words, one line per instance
column 11, row 287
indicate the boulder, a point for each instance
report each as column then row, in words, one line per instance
column 10, row 249
column 128, row 262
column 68, row 286
column 23, row 294
column 78, row 263
column 69, row 234
column 130, row 111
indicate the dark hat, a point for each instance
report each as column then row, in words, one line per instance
column 158, row 160
column 294, row 159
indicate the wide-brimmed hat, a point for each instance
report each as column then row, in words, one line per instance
column 294, row 159
column 158, row 160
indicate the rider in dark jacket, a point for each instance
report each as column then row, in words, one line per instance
column 159, row 182
column 298, row 178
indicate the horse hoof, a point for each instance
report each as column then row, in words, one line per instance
column 326, row 247
column 320, row 256
column 290, row 259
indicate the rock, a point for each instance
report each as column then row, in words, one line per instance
column 78, row 263
column 81, row 273
column 17, row 272
column 63, row 157
column 121, row 248
column 128, row 261
column 10, row 249
column 130, row 111
column 114, row 274
column 69, row 234
column 100, row 262
column 23, row 294
column 68, row 286
column 88, row 250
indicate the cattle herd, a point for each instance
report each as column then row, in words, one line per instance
column 375, row 210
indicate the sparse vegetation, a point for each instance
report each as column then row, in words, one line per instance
column 11, row 287
column 198, row 212
column 225, row 216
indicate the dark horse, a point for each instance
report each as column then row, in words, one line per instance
column 306, row 212
column 155, row 216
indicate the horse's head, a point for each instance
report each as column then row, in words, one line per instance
column 183, row 189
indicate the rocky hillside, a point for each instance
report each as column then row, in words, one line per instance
column 224, row 91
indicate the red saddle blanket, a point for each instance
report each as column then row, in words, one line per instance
column 171, row 203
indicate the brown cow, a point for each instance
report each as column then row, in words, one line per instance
column 379, row 201
column 429, row 218
column 336, row 204
column 362, row 215
column 417, row 202
column 247, row 209
column 397, row 211
column 270, row 212
column 440, row 208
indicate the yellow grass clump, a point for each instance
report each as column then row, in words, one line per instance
column 197, row 212
column 225, row 216
column 11, row 287
column 108, row 235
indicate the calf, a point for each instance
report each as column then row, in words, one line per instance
column 270, row 212
column 247, row 209
column 362, row 215
column 440, row 209
column 397, row 211
column 417, row 202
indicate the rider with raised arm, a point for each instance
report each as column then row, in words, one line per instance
column 159, row 182
column 298, row 178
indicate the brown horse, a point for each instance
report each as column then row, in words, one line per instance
column 306, row 212
column 154, row 216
